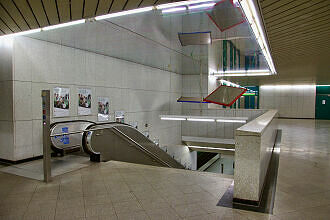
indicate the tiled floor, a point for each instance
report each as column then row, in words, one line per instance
column 60, row 165
column 116, row 190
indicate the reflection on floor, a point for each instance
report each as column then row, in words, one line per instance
column 116, row 190
column 60, row 165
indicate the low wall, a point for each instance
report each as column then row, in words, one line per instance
column 254, row 143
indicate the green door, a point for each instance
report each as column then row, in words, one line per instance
column 322, row 107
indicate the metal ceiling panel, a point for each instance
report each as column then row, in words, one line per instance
column 117, row 5
column 90, row 8
column 104, row 6
column 131, row 4
column 64, row 10
column 51, row 11
column 5, row 17
column 28, row 15
column 297, row 30
column 38, row 11
column 4, row 28
column 10, row 7
column 147, row 3
column 77, row 9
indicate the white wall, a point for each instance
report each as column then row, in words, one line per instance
column 6, row 95
column 292, row 101
column 142, row 92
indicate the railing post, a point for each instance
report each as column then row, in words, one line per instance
column 45, row 94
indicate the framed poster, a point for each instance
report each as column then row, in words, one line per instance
column 103, row 108
column 61, row 102
column 120, row 116
column 84, row 101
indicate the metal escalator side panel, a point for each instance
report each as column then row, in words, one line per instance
column 149, row 146
column 119, row 141
column 110, row 146
column 61, row 143
column 95, row 152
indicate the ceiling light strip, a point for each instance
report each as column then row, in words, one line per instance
column 212, row 148
column 201, row 119
column 251, row 15
column 243, row 73
column 201, row 6
column 171, row 10
column 173, row 118
column 81, row 21
column 182, row 3
column 122, row 13
column 204, row 118
column 21, row 33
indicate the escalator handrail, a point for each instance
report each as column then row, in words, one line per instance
column 140, row 146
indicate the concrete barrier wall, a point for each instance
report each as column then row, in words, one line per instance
column 254, row 143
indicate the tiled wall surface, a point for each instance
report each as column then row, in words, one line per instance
column 6, row 94
column 291, row 101
column 142, row 92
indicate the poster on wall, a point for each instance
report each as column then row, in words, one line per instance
column 103, row 109
column 84, row 101
column 120, row 116
column 61, row 102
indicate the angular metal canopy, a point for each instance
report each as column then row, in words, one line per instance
column 195, row 38
column 226, row 15
column 225, row 95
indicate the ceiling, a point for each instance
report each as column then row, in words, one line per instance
column 298, row 30
column 21, row 15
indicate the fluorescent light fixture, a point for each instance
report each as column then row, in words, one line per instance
column 251, row 15
column 201, row 6
column 322, row 85
column 232, row 121
column 246, row 74
column 308, row 86
column 21, row 33
column 64, row 25
column 212, row 148
column 222, row 81
column 122, row 13
column 243, row 73
column 173, row 118
column 201, row 119
column 175, row 4
column 171, row 10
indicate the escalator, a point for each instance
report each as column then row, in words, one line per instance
column 110, row 141
column 64, row 144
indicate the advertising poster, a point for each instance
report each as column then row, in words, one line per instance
column 61, row 102
column 120, row 116
column 84, row 101
column 103, row 109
